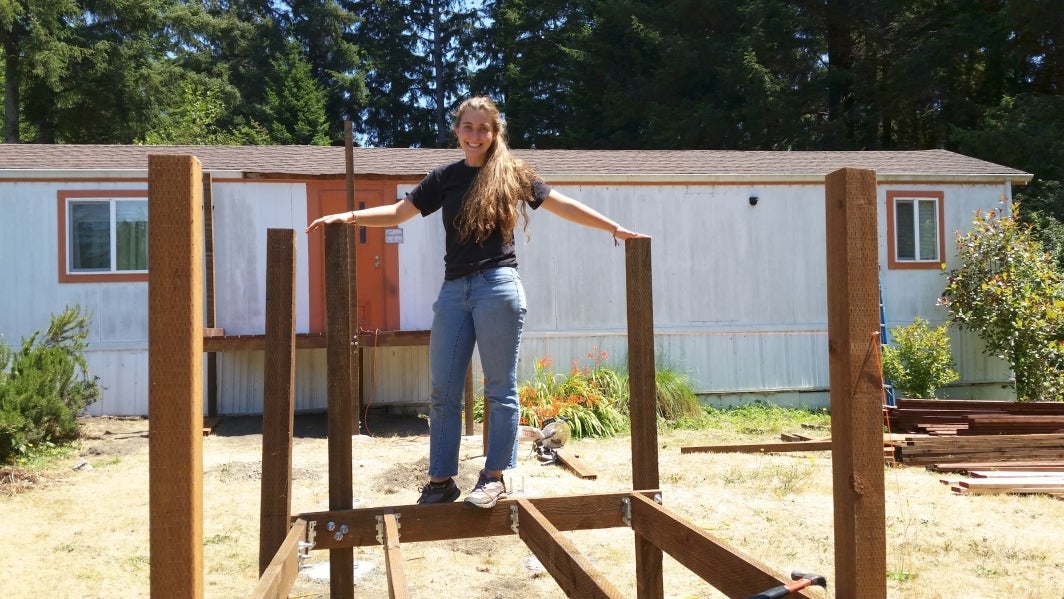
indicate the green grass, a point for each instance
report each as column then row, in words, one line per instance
column 757, row 419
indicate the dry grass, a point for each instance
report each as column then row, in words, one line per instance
column 84, row 534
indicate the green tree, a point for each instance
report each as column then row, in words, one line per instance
column 324, row 31
column 198, row 116
column 418, row 54
column 528, row 50
column 295, row 104
column 39, row 48
column 1027, row 132
column 1007, row 291
column 918, row 361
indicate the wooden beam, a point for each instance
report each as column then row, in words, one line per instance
column 175, row 376
column 856, row 383
column 571, row 570
column 280, row 574
column 781, row 447
column 278, row 402
column 393, row 559
column 339, row 366
column 574, row 463
column 714, row 560
column 221, row 343
column 456, row 521
column 642, row 404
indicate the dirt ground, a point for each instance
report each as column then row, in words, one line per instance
column 80, row 530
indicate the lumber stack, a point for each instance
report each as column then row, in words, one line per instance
column 974, row 417
column 936, row 450
column 1010, row 481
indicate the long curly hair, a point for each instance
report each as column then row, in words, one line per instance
column 500, row 190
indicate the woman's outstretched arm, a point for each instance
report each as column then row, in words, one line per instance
column 581, row 214
column 378, row 216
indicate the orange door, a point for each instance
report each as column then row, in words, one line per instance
column 375, row 262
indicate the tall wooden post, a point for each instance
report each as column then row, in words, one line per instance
column 278, row 401
column 338, row 324
column 642, row 404
column 210, row 316
column 175, row 376
column 358, row 354
column 856, row 384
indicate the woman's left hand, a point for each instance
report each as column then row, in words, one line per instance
column 622, row 233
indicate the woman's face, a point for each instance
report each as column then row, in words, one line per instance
column 475, row 133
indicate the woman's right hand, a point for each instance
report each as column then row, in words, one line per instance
column 340, row 217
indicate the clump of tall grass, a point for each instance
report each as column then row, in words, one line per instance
column 593, row 396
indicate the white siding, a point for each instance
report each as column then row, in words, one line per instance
column 739, row 290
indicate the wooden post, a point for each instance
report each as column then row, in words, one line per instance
column 642, row 404
column 470, row 403
column 278, row 402
column 352, row 279
column 210, row 316
column 175, row 376
column 856, row 384
column 338, row 319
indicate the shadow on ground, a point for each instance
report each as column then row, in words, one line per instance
column 378, row 422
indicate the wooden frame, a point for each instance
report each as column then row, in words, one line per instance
column 538, row 522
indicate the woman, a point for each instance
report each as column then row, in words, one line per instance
column 482, row 300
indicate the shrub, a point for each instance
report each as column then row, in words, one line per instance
column 919, row 361
column 591, row 397
column 44, row 385
column 1008, row 292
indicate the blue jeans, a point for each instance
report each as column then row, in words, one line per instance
column 486, row 309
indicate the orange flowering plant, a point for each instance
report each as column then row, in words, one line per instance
column 592, row 397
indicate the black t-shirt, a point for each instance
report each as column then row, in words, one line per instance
column 445, row 187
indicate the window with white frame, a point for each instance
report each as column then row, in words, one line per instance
column 106, row 235
column 915, row 229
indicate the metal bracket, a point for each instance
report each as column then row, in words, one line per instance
column 626, row 511
column 514, row 524
column 304, row 547
column 657, row 499
column 380, row 527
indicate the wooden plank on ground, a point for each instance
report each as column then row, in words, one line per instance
column 574, row 463
column 1016, row 473
column 781, row 447
column 570, row 569
column 209, row 422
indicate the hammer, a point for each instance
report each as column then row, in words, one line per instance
column 801, row 581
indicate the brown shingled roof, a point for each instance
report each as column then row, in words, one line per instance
column 328, row 161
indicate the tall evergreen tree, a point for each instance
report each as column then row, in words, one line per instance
column 418, row 54
column 295, row 103
column 324, row 30
column 39, row 48
column 527, row 51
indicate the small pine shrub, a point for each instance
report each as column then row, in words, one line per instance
column 44, row 385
